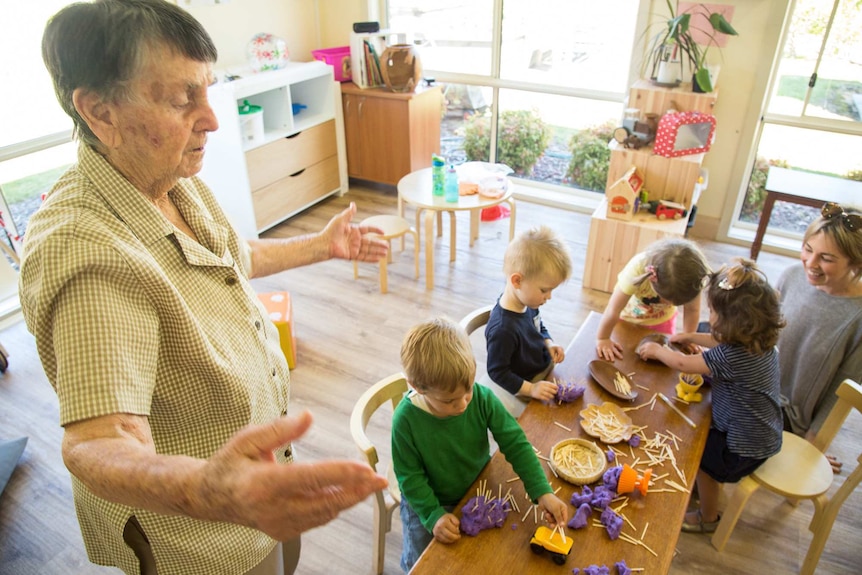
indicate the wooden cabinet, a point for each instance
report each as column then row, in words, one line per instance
column 390, row 134
column 612, row 243
column 263, row 181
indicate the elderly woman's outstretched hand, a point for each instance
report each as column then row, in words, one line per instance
column 243, row 480
column 352, row 242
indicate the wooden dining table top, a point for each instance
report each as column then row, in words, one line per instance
column 654, row 518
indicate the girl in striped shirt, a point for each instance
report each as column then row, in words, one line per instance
column 742, row 362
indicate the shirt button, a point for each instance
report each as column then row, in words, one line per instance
column 288, row 452
column 231, row 280
column 257, row 325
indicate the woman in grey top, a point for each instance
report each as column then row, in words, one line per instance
column 821, row 300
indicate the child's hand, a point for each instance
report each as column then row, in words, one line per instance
column 685, row 344
column 648, row 350
column 543, row 390
column 608, row 349
column 558, row 354
column 555, row 511
column 447, row 529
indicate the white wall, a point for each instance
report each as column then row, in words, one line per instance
column 233, row 24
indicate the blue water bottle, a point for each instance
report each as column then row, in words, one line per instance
column 438, row 175
column 451, row 193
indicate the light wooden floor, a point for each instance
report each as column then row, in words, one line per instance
column 348, row 337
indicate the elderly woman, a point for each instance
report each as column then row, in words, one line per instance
column 173, row 390
column 821, row 300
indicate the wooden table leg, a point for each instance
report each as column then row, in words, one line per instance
column 474, row 225
column 511, row 218
column 439, row 224
column 429, row 248
column 768, row 203
column 452, row 236
column 401, row 214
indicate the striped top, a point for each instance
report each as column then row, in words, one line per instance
column 745, row 399
column 133, row 316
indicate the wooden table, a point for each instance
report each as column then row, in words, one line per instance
column 416, row 189
column 659, row 513
column 803, row 188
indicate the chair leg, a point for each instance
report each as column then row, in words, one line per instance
column 415, row 250
column 382, row 526
column 735, row 505
column 355, row 269
column 384, row 275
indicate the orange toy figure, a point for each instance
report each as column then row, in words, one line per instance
column 687, row 388
column 629, row 480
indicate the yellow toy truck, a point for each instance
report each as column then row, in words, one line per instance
column 551, row 541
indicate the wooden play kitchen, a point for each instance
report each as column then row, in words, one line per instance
column 652, row 503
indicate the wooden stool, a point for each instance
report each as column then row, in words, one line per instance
column 393, row 227
column 280, row 311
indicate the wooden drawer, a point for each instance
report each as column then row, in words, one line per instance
column 281, row 158
column 289, row 195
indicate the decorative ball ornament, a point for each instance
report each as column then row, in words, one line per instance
column 267, row 52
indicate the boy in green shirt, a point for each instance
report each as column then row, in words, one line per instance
column 440, row 438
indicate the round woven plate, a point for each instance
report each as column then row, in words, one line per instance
column 586, row 462
column 608, row 422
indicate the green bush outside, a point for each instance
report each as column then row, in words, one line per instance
column 588, row 168
column 522, row 138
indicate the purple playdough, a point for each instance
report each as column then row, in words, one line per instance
column 478, row 514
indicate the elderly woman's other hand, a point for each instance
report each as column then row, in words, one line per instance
column 352, row 242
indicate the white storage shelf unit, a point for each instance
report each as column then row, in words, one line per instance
column 232, row 165
column 276, row 91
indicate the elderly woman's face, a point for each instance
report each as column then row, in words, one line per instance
column 164, row 127
column 826, row 267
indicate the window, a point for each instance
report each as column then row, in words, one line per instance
column 555, row 69
column 34, row 141
column 813, row 120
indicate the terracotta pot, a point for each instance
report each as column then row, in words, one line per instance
column 400, row 67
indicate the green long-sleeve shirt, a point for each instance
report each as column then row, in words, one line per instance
column 437, row 459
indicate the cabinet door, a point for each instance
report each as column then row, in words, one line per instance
column 352, row 134
column 385, row 144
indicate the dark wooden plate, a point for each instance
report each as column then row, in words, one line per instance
column 604, row 373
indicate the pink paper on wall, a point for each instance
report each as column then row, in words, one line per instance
column 699, row 21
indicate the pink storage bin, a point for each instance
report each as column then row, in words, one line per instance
column 338, row 58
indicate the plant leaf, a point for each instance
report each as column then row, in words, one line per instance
column 721, row 25
column 703, row 80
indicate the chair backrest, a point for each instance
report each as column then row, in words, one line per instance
column 476, row 319
column 389, row 389
column 849, row 397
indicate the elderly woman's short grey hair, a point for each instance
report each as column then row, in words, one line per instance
column 100, row 46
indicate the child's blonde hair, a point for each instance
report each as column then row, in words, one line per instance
column 677, row 269
column 538, row 251
column 747, row 310
column 437, row 355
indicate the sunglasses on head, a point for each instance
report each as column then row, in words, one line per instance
column 852, row 222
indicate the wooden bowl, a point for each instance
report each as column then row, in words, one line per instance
column 608, row 422
column 578, row 461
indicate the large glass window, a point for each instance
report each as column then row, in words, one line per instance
column 535, row 85
column 814, row 114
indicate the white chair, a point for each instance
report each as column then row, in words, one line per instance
column 393, row 227
column 471, row 322
column 390, row 389
column 802, row 471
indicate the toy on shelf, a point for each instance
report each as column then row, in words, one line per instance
column 624, row 195
column 635, row 133
column 684, row 133
column 665, row 209
column 629, row 480
column 688, row 386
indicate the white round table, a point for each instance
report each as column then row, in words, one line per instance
column 415, row 189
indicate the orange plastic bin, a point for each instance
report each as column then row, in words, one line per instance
column 280, row 311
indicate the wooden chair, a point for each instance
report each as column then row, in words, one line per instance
column 802, row 471
column 390, row 389
column 471, row 322
column 393, row 227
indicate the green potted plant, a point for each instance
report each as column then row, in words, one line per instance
column 678, row 40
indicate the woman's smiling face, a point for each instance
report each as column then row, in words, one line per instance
column 826, row 267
